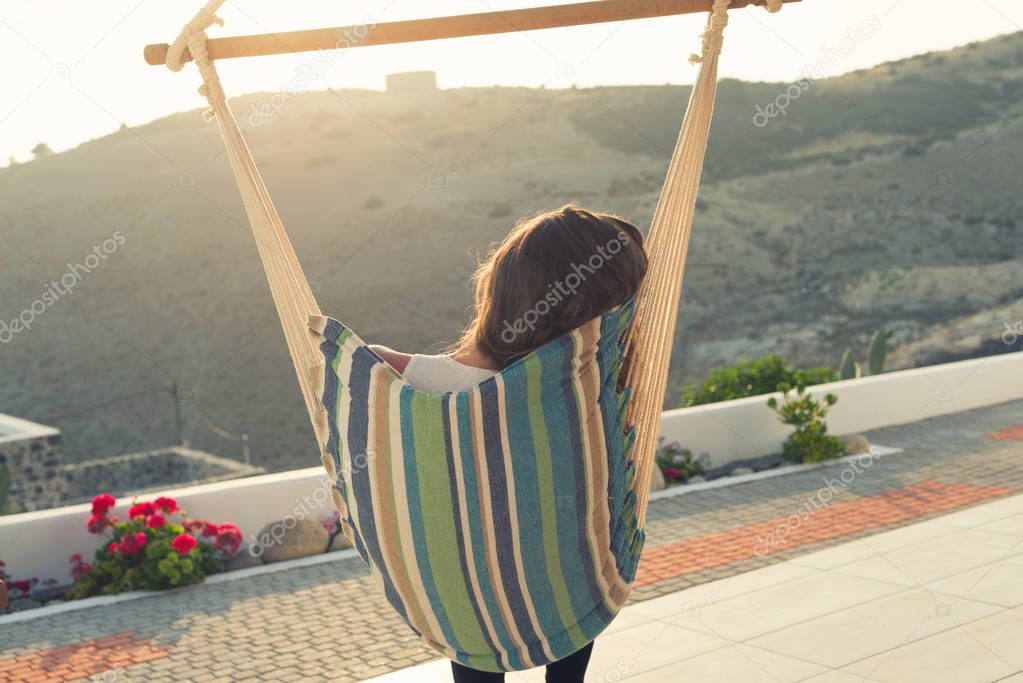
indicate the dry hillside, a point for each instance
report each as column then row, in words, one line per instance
column 883, row 198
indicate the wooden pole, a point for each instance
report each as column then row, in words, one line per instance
column 458, row 26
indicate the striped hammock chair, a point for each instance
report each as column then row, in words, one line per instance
column 504, row 523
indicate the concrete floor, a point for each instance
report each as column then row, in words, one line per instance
column 940, row 600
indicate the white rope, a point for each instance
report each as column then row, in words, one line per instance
column 653, row 331
column 288, row 285
column 193, row 38
column 650, row 339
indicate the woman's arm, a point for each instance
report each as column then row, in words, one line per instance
column 396, row 359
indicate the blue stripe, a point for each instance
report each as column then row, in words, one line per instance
column 358, row 442
column 486, row 580
column 527, row 501
column 573, row 431
column 495, row 458
column 459, row 532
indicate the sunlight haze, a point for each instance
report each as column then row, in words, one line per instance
column 87, row 59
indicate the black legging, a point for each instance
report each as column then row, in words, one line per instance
column 571, row 669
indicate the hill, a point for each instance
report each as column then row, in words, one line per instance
column 886, row 197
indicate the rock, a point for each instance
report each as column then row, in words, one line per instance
column 242, row 559
column 855, row 444
column 340, row 542
column 697, row 479
column 291, row 538
column 739, row 471
column 657, row 482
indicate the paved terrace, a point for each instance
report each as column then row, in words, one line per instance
column 734, row 581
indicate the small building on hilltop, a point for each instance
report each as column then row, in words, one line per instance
column 412, row 82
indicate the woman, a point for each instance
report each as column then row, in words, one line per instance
column 550, row 275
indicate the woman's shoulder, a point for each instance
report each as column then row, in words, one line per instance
column 396, row 359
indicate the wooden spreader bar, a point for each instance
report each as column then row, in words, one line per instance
column 458, row 26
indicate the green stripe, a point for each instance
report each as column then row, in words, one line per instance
column 548, row 502
column 438, row 522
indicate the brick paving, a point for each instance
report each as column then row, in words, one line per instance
column 809, row 526
column 327, row 622
column 1010, row 433
column 69, row 662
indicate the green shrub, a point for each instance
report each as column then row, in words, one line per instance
column 810, row 442
column 877, row 353
column 753, row 378
column 5, row 487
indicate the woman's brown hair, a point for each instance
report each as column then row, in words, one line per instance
column 551, row 274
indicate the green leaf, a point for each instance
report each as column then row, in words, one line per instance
column 849, row 368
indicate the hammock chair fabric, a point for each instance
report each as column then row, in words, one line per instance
column 504, row 523
column 500, row 520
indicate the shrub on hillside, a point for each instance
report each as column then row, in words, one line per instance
column 752, row 378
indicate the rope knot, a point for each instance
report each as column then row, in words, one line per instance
column 193, row 38
column 713, row 35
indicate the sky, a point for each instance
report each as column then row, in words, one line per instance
column 74, row 71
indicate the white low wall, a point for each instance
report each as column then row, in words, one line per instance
column 39, row 543
column 15, row 429
column 746, row 428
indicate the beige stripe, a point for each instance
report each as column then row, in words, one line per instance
column 618, row 590
column 586, row 380
column 487, row 514
column 344, row 368
column 516, row 548
column 405, row 545
column 384, row 497
column 467, row 531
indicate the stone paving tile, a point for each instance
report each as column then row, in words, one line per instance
column 328, row 622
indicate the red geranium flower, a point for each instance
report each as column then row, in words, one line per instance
column 77, row 557
column 24, row 586
column 228, row 538
column 168, row 505
column 194, row 526
column 133, row 543
column 140, row 510
column 112, row 548
column 99, row 523
column 102, row 503
column 80, row 570
column 155, row 520
column 183, row 543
